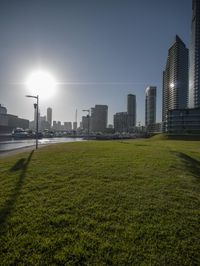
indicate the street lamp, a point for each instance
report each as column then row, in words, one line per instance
column 36, row 107
column 88, row 116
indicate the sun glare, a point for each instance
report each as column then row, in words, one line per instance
column 41, row 83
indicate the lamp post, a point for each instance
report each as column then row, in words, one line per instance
column 88, row 116
column 36, row 107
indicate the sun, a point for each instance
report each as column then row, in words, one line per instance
column 42, row 83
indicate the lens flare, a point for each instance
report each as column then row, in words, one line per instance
column 41, row 83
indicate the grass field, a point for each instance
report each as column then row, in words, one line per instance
column 102, row 203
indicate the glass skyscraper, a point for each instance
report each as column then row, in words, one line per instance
column 175, row 79
column 150, row 106
column 194, row 58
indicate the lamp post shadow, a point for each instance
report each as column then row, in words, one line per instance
column 7, row 209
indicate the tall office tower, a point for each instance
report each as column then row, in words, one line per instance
column 194, row 59
column 49, row 116
column 175, row 79
column 150, row 106
column 99, row 118
column 131, row 111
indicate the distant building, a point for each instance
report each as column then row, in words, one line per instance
column 150, row 106
column 154, row 128
column 121, row 122
column 43, row 123
column 3, row 110
column 175, row 79
column 32, row 125
column 49, row 116
column 99, row 118
column 194, row 58
column 54, row 125
column 68, row 126
column 75, row 125
column 85, row 123
column 9, row 122
column 131, row 111
column 183, row 121
column 59, row 127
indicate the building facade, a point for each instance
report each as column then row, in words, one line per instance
column 75, row 125
column 194, row 58
column 175, row 79
column 3, row 109
column 99, row 118
column 49, row 116
column 43, row 123
column 9, row 122
column 121, row 122
column 183, row 121
column 86, row 123
column 150, row 106
column 68, row 126
column 131, row 111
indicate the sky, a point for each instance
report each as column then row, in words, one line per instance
column 97, row 50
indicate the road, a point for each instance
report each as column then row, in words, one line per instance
column 18, row 144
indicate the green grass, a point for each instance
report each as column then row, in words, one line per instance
column 102, row 203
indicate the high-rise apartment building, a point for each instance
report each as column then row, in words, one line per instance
column 49, row 116
column 175, row 79
column 99, row 118
column 194, row 58
column 150, row 106
column 131, row 111
column 120, row 122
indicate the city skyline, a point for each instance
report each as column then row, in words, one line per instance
column 98, row 52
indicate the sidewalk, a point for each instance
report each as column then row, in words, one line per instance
column 16, row 151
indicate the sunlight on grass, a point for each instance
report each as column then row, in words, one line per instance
column 102, row 203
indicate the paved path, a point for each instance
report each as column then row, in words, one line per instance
column 17, row 151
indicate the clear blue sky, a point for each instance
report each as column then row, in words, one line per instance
column 100, row 50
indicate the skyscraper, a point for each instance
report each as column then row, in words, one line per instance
column 120, row 122
column 49, row 116
column 99, row 118
column 194, row 60
column 131, row 111
column 175, row 79
column 150, row 106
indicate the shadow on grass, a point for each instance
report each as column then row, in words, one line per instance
column 191, row 164
column 7, row 209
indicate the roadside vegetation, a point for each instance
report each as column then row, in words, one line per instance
column 102, row 203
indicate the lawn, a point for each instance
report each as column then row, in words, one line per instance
column 102, row 203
